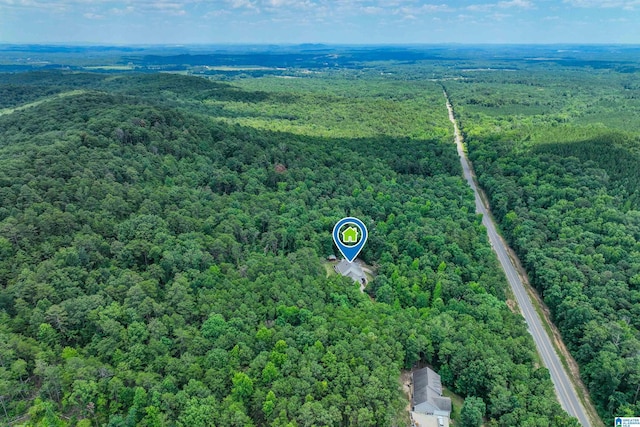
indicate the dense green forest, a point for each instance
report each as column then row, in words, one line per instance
column 161, row 256
column 558, row 154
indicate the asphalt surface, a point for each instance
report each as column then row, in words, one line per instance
column 567, row 395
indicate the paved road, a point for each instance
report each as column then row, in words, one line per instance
column 564, row 388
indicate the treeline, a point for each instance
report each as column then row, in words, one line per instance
column 158, row 267
column 569, row 205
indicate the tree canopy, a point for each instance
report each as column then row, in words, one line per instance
column 161, row 257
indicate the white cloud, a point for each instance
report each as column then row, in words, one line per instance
column 428, row 8
column 166, row 6
column 506, row 4
column 113, row 3
column 463, row 17
column 480, row 7
column 93, row 9
column 341, row 8
column 124, row 11
column 617, row 4
column 412, row 12
column 298, row 11
column 216, row 13
column 238, row 4
column 90, row 15
column 373, row 10
column 520, row 4
column 500, row 16
column 282, row 3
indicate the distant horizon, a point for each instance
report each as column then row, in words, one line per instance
column 349, row 22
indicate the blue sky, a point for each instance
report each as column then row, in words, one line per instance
column 326, row 21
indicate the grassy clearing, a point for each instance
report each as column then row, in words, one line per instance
column 111, row 68
column 5, row 111
column 456, row 405
column 328, row 266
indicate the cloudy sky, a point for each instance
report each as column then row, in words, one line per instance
column 327, row 21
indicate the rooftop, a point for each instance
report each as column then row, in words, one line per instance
column 351, row 269
column 427, row 391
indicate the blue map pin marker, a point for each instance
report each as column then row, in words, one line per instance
column 350, row 235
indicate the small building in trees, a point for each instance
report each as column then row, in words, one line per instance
column 427, row 394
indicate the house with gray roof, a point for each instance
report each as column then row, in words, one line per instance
column 352, row 270
column 427, row 394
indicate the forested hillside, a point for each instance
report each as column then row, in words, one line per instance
column 161, row 257
column 558, row 155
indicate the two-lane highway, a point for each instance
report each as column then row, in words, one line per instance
column 567, row 394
